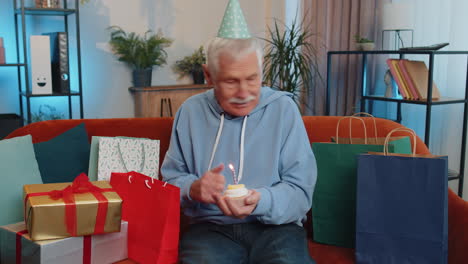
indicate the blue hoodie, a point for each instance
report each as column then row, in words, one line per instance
column 275, row 157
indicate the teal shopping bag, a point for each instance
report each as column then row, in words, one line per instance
column 401, row 145
column 334, row 199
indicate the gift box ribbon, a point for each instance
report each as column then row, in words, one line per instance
column 19, row 234
column 81, row 184
column 86, row 247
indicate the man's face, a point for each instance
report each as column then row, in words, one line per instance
column 237, row 83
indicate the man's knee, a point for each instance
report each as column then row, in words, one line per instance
column 208, row 244
column 281, row 244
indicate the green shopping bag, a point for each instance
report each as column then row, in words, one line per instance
column 401, row 144
column 334, row 199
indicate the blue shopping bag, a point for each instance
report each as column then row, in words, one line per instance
column 401, row 209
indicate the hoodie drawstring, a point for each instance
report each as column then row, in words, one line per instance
column 241, row 158
column 241, row 155
column 215, row 146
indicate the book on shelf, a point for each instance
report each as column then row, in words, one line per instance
column 419, row 75
column 398, row 77
column 2, row 52
column 412, row 79
column 409, row 82
column 59, row 62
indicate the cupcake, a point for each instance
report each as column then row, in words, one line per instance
column 236, row 190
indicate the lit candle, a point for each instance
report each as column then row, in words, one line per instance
column 231, row 167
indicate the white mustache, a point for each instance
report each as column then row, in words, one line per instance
column 236, row 100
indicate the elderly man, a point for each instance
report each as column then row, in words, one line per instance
column 259, row 131
column 260, row 134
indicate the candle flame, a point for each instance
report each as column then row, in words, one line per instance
column 231, row 166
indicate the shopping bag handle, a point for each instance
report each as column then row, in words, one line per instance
column 373, row 120
column 146, row 181
column 350, row 136
column 143, row 157
column 404, row 129
column 152, row 181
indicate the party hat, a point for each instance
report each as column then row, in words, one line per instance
column 233, row 25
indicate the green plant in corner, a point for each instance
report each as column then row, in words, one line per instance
column 141, row 53
column 191, row 65
column 290, row 61
column 84, row 1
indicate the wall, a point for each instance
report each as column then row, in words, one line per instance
column 456, row 80
column 105, row 80
column 8, row 80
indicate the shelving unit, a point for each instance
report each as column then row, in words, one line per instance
column 429, row 103
column 22, row 64
column 12, row 64
column 45, row 11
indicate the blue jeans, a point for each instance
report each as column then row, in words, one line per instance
column 244, row 243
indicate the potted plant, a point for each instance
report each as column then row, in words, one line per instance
column 141, row 53
column 46, row 112
column 192, row 65
column 47, row 4
column 290, row 61
column 363, row 43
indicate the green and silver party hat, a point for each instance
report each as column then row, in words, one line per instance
column 234, row 25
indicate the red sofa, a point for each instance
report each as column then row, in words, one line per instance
column 319, row 128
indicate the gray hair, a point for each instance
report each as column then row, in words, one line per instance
column 237, row 48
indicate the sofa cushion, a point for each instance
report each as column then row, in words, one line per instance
column 18, row 167
column 65, row 156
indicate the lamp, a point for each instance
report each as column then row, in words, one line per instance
column 397, row 17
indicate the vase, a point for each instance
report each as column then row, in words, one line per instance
column 366, row 46
column 47, row 3
column 198, row 77
column 142, row 77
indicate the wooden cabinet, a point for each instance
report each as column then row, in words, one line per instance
column 160, row 101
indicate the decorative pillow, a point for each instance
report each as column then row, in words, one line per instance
column 18, row 166
column 64, row 157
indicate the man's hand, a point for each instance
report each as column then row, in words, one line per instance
column 239, row 207
column 209, row 187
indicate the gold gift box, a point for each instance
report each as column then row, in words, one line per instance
column 45, row 217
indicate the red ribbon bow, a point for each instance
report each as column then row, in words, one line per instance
column 81, row 184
